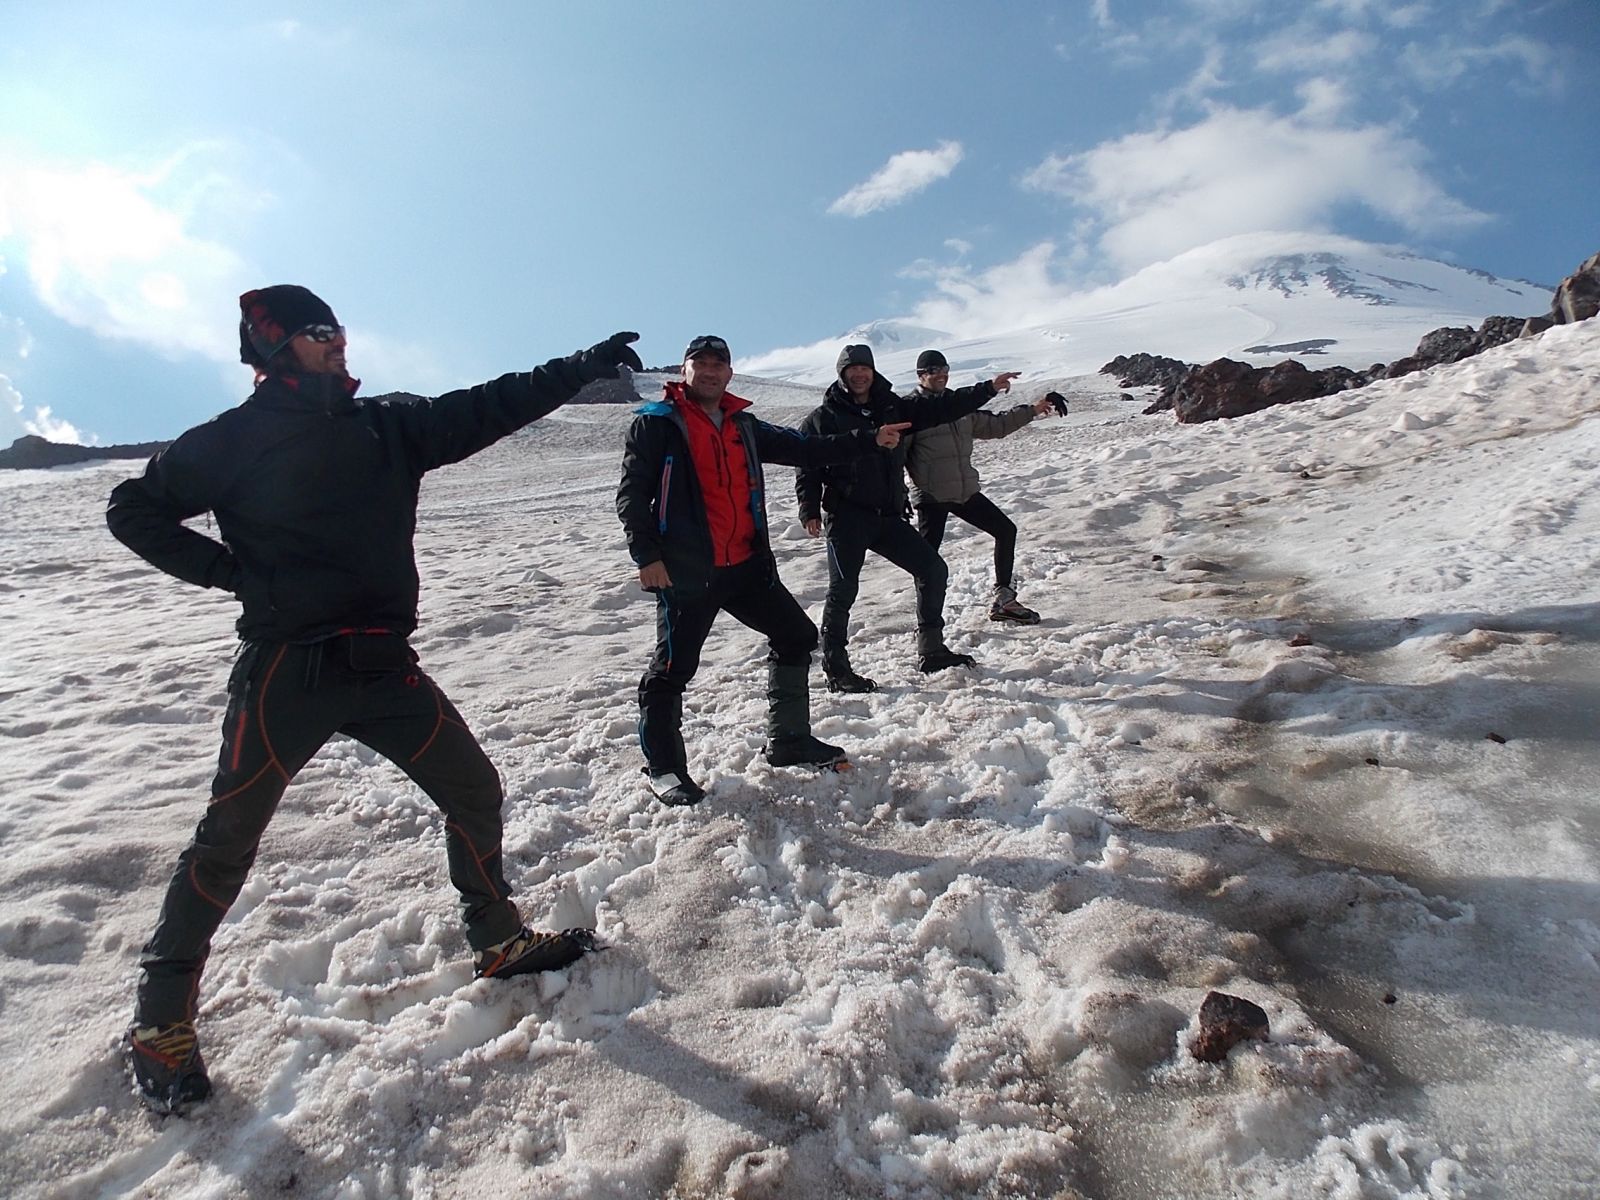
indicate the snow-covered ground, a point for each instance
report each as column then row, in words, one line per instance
column 1311, row 718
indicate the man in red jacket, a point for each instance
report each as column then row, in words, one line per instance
column 693, row 504
column 314, row 493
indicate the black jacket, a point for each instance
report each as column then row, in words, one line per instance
column 659, row 499
column 315, row 496
column 875, row 485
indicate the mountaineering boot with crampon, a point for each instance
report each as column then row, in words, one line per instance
column 805, row 751
column 166, row 1065
column 675, row 788
column 533, row 950
column 942, row 658
column 1007, row 608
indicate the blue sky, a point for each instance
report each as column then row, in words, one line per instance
column 475, row 188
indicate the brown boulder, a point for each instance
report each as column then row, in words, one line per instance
column 1227, row 388
column 1225, row 1021
column 1578, row 296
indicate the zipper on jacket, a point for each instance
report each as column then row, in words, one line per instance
column 725, row 481
column 661, row 496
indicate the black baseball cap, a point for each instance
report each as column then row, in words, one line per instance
column 708, row 344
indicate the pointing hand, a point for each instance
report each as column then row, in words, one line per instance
column 889, row 435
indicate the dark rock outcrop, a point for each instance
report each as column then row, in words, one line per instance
column 1309, row 346
column 1452, row 344
column 1145, row 370
column 1226, row 388
column 1577, row 296
column 34, row 453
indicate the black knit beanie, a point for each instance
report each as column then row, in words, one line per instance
column 270, row 316
column 930, row 360
column 855, row 356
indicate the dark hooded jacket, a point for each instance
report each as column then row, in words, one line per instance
column 873, row 485
column 315, row 492
column 660, row 502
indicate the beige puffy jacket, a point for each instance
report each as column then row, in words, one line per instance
column 940, row 459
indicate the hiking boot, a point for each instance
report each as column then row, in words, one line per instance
column 804, row 752
column 166, row 1065
column 675, row 788
column 848, row 681
column 1006, row 608
column 533, row 950
column 943, row 659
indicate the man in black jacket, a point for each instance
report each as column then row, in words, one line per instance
column 693, row 504
column 314, row 493
column 866, row 506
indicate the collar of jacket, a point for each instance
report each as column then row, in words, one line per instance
column 299, row 392
column 677, row 393
column 839, row 396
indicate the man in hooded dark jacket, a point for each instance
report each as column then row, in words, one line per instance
column 866, row 506
column 693, row 504
column 314, row 493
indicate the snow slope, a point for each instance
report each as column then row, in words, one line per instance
column 1249, row 748
column 1372, row 303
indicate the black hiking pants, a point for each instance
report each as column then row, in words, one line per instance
column 284, row 703
column 981, row 513
column 751, row 594
column 851, row 533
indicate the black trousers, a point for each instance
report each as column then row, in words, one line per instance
column 980, row 513
column 284, row 703
column 853, row 532
column 753, row 595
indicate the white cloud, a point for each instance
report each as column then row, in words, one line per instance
column 14, row 421
column 1304, row 46
column 1322, row 100
column 1154, row 195
column 1443, row 64
column 115, row 251
column 1011, row 295
column 903, row 176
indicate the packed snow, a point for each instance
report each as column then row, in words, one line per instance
column 1310, row 719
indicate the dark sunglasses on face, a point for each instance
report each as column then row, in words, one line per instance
column 323, row 333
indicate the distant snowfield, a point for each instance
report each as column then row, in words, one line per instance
column 1311, row 719
column 1370, row 303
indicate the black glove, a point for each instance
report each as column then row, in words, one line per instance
column 1057, row 402
column 601, row 360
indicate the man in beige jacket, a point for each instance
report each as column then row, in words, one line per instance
column 940, row 464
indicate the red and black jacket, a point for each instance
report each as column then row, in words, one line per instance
column 315, row 496
column 667, row 508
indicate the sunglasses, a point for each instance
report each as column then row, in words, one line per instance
column 323, row 333
column 714, row 346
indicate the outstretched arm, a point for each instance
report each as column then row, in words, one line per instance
column 954, row 404
column 991, row 425
column 458, row 424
